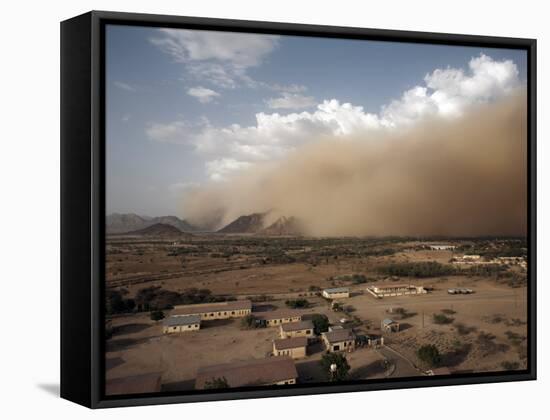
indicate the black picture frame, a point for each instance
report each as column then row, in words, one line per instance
column 83, row 205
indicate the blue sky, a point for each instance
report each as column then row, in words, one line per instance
column 182, row 106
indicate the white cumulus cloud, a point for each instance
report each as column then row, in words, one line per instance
column 444, row 93
column 204, row 95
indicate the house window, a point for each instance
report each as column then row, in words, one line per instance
column 233, row 313
column 308, row 331
column 345, row 343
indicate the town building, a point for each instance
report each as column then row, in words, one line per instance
column 297, row 329
column 442, row 247
column 181, row 323
column 137, row 384
column 275, row 318
column 336, row 293
column 389, row 325
column 279, row 370
column 387, row 290
column 339, row 340
column 295, row 347
column 217, row 310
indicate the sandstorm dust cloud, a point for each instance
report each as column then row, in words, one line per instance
column 465, row 177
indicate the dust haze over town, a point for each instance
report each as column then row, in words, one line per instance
column 269, row 232
column 465, row 177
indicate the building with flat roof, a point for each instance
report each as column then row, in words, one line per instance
column 136, row 384
column 339, row 340
column 441, row 247
column 279, row 370
column 217, row 310
column 181, row 323
column 387, row 290
column 275, row 318
column 336, row 293
column 389, row 325
column 295, row 347
column 297, row 329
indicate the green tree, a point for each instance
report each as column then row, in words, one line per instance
column 429, row 354
column 156, row 315
column 339, row 361
column 249, row 322
column 216, row 383
column 320, row 323
column 297, row 303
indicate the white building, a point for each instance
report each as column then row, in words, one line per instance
column 336, row 293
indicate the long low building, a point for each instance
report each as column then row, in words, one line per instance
column 217, row 310
column 269, row 371
column 137, row 384
column 336, row 293
column 181, row 323
column 275, row 318
column 297, row 329
column 387, row 290
column 339, row 340
column 295, row 347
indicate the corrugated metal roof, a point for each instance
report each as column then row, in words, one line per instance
column 235, row 305
column 176, row 320
column 290, row 343
column 250, row 372
column 339, row 335
column 280, row 314
column 337, row 290
column 388, row 321
column 297, row 326
column 137, row 384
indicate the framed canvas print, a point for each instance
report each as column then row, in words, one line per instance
column 255, row 209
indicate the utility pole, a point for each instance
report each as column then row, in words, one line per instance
column 422, row 319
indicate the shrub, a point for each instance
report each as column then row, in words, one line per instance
column 442, row 319
column 216, row 383
column 250, row 321
column 429, row 354
column 418, row 269
column 297, row 303
column 156, row 315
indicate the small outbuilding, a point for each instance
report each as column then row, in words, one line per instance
column 182, row 323
column 297, row 329
column 339, row 340
column 389, row 325
column 295, row 347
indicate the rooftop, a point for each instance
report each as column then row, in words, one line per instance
column 290, row 343
column 337, row 336
column 337, row 290
column 297, row 326
column 268, row 315
column 176, row 320
column 394, row 286
column 137, row 384
column 234, row 305
column 249, row 372
column 388, row 321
